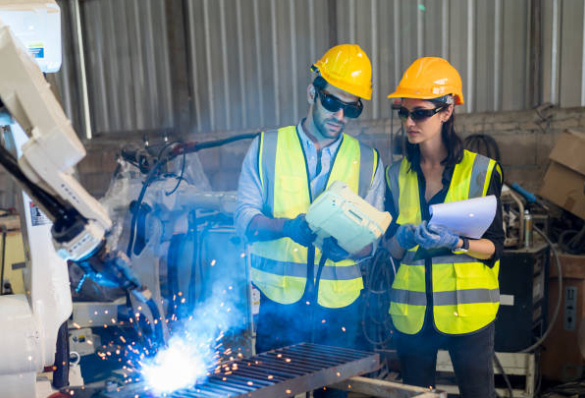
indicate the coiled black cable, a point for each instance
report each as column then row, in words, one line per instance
column 572, row 241
column 484, row 145
column 376, row 321
column 166, row 154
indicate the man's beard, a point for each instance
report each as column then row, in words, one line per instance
column 320, row 125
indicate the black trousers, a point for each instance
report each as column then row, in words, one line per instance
column 471, row 355
column 281, row 325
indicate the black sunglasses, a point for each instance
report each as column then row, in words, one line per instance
column 419, row 114
column 334, row 104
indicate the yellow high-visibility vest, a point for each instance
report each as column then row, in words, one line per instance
column 279, row 267
column 465, row 291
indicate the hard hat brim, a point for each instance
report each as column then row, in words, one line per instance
column 404, row 93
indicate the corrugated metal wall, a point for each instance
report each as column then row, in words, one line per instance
column 66, row 78
column 564, row 58
column 128, row 64
column 126, row 56
column 248, row 60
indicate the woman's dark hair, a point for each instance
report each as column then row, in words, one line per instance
column 450, row 138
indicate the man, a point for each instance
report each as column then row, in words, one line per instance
column 283, row 172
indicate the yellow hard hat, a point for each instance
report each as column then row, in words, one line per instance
column 347, row 67
column 428, row 78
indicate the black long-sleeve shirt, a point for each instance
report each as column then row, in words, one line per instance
column 494, row 233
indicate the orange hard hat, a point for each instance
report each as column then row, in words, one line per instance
column 428, row 78
column 348, row 68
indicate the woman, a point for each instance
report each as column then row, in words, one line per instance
column 446, row 293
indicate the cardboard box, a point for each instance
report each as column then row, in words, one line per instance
column 569, row 150
column 564, row 182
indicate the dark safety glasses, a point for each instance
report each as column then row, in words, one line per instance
column 334, row 104
column 419, row 114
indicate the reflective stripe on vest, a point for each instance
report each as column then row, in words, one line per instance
column 465, row 290
column 293, row 269
column 468, row 296
column 279, row 267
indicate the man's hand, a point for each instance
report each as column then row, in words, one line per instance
column 434, row 237
column 298, row 230
column 405, row 236
column 333, row 251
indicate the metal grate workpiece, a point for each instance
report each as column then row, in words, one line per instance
column 278, row 373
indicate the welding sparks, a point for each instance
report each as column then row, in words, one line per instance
column 195, row 348
column 179, row 366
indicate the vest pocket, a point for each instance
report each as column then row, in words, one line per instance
column 472, row 293
column 469, row 275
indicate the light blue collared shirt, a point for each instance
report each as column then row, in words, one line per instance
column 250, row 194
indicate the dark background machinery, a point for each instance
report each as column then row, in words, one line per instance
column 522, row 317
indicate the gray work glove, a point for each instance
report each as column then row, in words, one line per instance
column 298, row 230
column 435, row 237
column 405, row 236
column 333, row 251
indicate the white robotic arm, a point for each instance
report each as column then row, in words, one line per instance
column 52, row 150
column 47, row 149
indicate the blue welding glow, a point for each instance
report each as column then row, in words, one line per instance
column 80, row 284
column 179, row 366
column 195, row 347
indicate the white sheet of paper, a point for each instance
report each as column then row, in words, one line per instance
column 469, row 218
